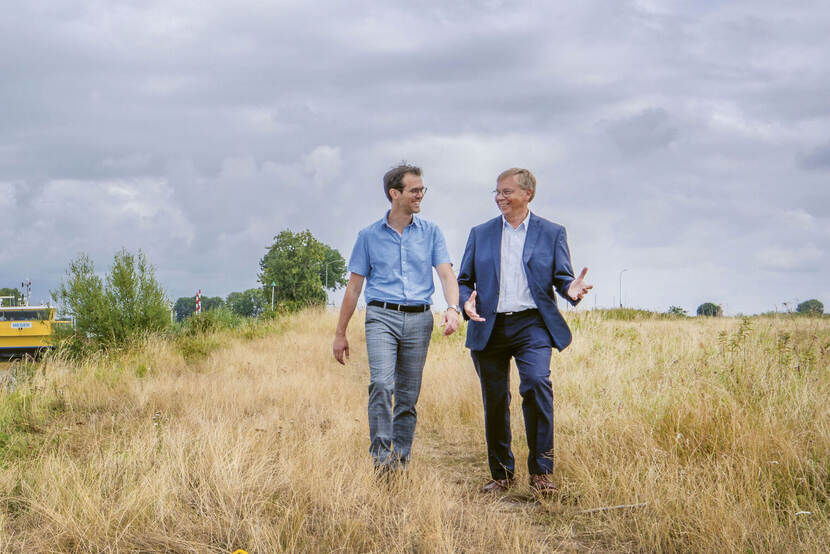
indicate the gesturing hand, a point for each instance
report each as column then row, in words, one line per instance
column 579, row 287
column 470, row 308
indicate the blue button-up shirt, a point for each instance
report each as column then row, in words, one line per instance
column 398, row 268
column 514, row 292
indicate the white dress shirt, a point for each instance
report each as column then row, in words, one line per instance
column 514, row 292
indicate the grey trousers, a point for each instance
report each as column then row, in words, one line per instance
column 397, row 343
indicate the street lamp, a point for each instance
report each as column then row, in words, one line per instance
column 327, row 272
column 327, row 278
column 621, row 272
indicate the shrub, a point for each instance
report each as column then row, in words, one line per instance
column 199, row 335
column 811, row 306
column 628, row 314
column 211, row 321
column 709, row 309
column 109, row 312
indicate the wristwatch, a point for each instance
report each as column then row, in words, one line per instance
column 456, row 308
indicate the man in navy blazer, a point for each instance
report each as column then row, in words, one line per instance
column 511, row 266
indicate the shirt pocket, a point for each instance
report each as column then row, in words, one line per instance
column 418, row 253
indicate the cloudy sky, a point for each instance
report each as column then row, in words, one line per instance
column 687, row 142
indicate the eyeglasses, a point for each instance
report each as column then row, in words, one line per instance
column 418, row 191
column 505, row 193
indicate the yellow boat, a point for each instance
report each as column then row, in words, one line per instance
column 25, row 329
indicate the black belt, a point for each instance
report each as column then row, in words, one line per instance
column 399, row 307
column 514, row 314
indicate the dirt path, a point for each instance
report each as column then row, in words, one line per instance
column 552, row 520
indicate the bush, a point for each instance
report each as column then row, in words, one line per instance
column 677, row 311
column 709, row 309
column 212, row 321
column 199, row 334
column 110, row 312
column 628, row 314
column 812, row 306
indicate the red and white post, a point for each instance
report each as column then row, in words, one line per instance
column 199, row 302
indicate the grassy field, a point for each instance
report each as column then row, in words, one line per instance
column 717, row 430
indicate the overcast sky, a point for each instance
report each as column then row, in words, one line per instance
column 687, row 142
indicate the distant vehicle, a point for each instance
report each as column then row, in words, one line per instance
column 26, row 330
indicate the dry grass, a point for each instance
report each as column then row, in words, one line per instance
column 721, row 426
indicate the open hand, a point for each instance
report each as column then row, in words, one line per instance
column 470, row 308
column 579, row 287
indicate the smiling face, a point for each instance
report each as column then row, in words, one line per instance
column 511, row 198
column 409, row 199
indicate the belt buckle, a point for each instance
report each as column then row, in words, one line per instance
column 509, row 313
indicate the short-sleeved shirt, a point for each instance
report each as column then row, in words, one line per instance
column 398, row 268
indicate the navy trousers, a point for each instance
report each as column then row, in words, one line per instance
column 524, row 337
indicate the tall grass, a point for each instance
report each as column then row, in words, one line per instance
column 717, row 430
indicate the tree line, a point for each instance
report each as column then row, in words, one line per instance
column 296, row 272
column 710, row 309
column 248, row 303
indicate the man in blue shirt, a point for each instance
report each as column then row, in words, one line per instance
column 395, row 256
column 511, row 267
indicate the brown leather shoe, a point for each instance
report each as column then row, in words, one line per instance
column 542, row 484
column 497, row 486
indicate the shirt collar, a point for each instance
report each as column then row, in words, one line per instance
column 522, row 226
column 416, row 221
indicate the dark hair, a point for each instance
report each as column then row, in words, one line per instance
column 394, row 177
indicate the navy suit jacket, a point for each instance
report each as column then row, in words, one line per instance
column 547, row 265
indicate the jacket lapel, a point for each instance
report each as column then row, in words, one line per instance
column 496, row 242
column 533, row 231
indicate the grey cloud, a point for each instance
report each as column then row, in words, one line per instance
column 662, row 136
column 643, row 133
column 819, row 158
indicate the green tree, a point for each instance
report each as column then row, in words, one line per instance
column 811, row 306
column 17, row 300
column 676, row 310
column 248, row 303
column 709, row 309
column 184, row 306
column 128, row 302
column 212, row 303
column 300, row 266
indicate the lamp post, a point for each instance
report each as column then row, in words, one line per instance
column 327, row 273
column 621, row 272
column 327, row 278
